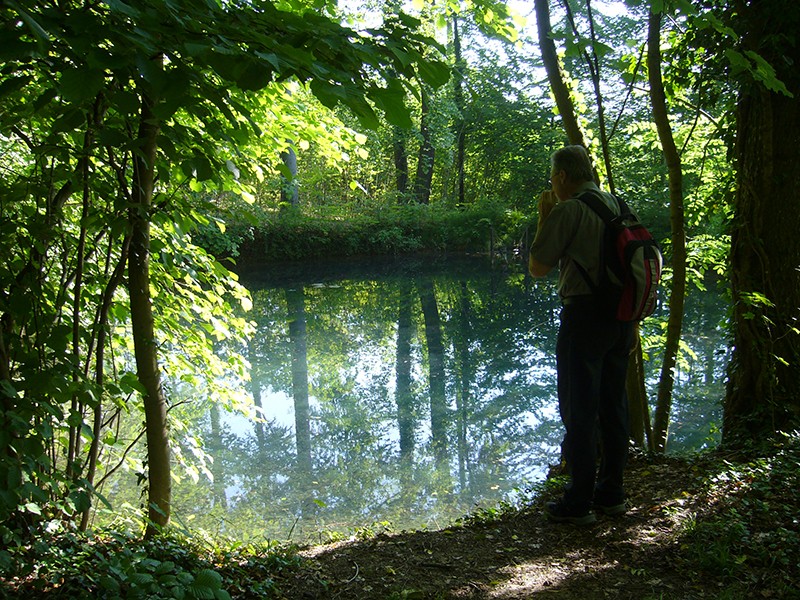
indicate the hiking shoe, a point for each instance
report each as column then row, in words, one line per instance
column 562, row 513
column 611, row 510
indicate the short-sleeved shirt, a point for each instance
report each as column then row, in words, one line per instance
column 572, row 233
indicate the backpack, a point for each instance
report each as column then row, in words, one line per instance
column 630, row 263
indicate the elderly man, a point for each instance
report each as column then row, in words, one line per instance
column 593, row 346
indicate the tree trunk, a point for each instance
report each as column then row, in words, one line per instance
column 400, row 159
column 459, row 124
column 678, row 291
column 289, row 188
column 764, row 376
column 639, row 409
column 100, row 362
column 555, row 75
column 427, row 153
column 142, row 322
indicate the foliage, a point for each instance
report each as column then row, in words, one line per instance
column 118, row 564
column 748, row 536
column 82, row 84
column 382, row 230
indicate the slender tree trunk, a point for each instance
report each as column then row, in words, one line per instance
column 142, row 321
column 427, row 153
column 593, row 64
column 639, row 410
column 555, row 75
column 400, row 159
column 99, row 374
column 678, row 291
column 762, row 396
column 459, row 123
column 289, row 188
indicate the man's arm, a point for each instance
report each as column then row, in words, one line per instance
column 547, row 200
column 536, row 268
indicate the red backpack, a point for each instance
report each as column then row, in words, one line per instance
column 631, row 262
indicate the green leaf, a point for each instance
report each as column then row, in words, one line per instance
column 434, row 72
column 13, row 84
column 208, row 578
column 79, row 85
column 33, row 508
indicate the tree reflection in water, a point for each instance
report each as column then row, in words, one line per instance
column 408, row 393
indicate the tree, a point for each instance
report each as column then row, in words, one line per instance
column 135, row 107
column 764, row 375
column 678, row 237
column 556, row 77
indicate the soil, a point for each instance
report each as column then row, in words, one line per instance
column 522, row 555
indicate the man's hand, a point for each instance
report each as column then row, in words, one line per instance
column 547, row 200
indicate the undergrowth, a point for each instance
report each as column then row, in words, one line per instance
column 747, row 535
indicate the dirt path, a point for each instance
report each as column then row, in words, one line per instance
column 522, row 555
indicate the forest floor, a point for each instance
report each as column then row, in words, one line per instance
column 696, row 528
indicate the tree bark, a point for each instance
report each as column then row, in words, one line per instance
column 555, row 75
column 427, row 153
column 289, row 188
column 459, row 123
column 678, row 234
column 142, row 322
column 762, row 396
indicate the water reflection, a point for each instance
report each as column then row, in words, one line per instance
column 407, row 392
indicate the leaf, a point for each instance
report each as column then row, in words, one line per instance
column 78, row 85
column 434, row 72
column 33, row 508
column 13, row 84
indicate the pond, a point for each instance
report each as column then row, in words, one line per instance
column 405, row 393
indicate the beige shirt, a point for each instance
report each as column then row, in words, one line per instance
column 572, row 233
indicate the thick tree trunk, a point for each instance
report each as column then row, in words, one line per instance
column 678, row 291
column 142, row 322
column 762, row 395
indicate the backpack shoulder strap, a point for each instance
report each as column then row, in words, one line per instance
column 593, row 201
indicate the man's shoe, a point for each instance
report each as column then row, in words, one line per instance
column 561, row 513
column 612, row 510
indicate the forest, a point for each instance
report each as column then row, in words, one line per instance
column 156, row 154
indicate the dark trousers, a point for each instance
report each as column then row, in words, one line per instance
column 592, row 358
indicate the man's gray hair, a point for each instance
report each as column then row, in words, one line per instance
column 575, row 161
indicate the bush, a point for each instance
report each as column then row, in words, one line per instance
column 395, row 230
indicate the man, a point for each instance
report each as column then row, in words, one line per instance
column 592, row 347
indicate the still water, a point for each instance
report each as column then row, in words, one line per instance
column 404, row 393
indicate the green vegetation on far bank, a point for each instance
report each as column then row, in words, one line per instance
column 370, row 230
column 727, row 527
